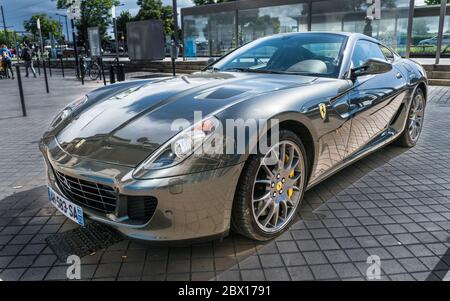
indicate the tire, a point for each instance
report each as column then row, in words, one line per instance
column 243, row 218
column 407, row 139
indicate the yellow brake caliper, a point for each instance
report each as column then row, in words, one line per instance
column 290, row 192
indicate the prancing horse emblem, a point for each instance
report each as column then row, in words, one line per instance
column 323, row 111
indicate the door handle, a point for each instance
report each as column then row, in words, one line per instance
column 399, row 75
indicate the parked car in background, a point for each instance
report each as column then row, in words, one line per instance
column 433, row 40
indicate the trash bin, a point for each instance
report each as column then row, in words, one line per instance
column 120, row 69
column 112, row 78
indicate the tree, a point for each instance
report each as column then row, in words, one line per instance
column 155, row 10
column 122, row 21
column 3, row 37
column 434, row 2
column 48, row 26
column 93, row 13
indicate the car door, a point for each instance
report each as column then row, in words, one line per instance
column 374, row 100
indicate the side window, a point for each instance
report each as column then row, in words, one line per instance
column 387, row 54
column 365, row 50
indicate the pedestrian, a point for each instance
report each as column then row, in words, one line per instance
column 7, row 60
column 27, row 57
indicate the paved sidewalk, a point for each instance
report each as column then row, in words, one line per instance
column 394, row 204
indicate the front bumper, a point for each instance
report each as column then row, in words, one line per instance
column 189, row 207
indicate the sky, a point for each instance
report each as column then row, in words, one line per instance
column 20, row 10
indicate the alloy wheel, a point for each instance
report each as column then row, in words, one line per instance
column 416, row 117
column 277, row 187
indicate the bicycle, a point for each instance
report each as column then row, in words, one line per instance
column 91, row 68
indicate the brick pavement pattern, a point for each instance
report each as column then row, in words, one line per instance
column 394, row 204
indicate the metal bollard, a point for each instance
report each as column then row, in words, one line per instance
column 112, row 78
column 103, row 71
column 120, row 73
column 50, row 66
column 39, row 65
column 62, row 66
column 45, row 76
column 22, row 98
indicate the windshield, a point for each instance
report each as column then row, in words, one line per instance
column 317, row 54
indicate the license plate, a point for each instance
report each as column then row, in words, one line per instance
column 66, row 207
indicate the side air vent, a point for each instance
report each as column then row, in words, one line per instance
column 397, row 115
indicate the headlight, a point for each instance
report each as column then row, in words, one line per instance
column 181, row 146
column 67, row 111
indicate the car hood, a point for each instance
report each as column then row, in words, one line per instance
column 125, row 125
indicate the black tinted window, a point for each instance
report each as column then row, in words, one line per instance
column 365, row 50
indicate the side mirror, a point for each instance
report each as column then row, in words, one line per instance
column 370, row 67
column 211, row 60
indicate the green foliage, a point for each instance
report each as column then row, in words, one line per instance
column 434, row 2
column 48, row 25
column 155, row 10
column 3, row 37
column 122, row 21
column 93, row 13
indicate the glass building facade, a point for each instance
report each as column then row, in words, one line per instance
column 409, row 26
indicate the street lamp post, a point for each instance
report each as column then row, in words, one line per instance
column 4, row 25
column 116, row 38
column 67, row 25
column 175, row 22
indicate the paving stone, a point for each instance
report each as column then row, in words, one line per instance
column 293, row 259
column 399, row 252
column 11, row 274
column 276, row 274
column 336, row 256
column 35, row 274
column 327, row 244
column 5, row 260
column 323, row 272
column 271, row 260
column 202, row 265
column 314, row 258
column 287, row 247
column 392, row 267
column 107, row 270
column 252, row 275
column 412, row 265
column 22, row 261
column 252, row 262
column 300, row 273
column 346, row 270
column 57, row 273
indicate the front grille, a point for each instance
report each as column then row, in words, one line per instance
column 141, row 208
column 84, row 193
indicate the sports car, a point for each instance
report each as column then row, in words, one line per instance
column 236, row 145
